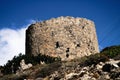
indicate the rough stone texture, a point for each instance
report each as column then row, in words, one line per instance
column 61, row 36
column 91, row 72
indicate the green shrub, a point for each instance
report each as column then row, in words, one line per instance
column 12, row 65
column 111, row 52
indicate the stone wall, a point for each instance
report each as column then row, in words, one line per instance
column 67, row 37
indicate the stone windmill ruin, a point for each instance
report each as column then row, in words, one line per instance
column 65, row 37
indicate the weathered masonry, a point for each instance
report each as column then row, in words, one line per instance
column 66, row 37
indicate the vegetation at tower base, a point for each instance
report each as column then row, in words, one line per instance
column 13, row 65
column 111, row 52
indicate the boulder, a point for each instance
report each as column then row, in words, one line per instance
column 24, row 66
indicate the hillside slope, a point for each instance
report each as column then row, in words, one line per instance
column 94, row 67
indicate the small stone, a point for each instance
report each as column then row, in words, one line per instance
column 98, row 66
column 69, row 76
column 107, row 76
column 85, row 77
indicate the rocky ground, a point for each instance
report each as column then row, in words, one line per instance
column 109, row 70
column 86, row 68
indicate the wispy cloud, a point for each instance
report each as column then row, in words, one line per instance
column 12, row 42
column 31, row 21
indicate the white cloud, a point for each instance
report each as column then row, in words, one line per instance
column 12, row 42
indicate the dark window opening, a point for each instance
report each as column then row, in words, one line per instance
column 57, row 45
column 83, row 27
column 67, row 50
column 78, row 45
column 67, row 55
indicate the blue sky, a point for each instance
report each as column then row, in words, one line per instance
column 16, row 15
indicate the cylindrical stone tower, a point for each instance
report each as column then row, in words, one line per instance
column 66, row 37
